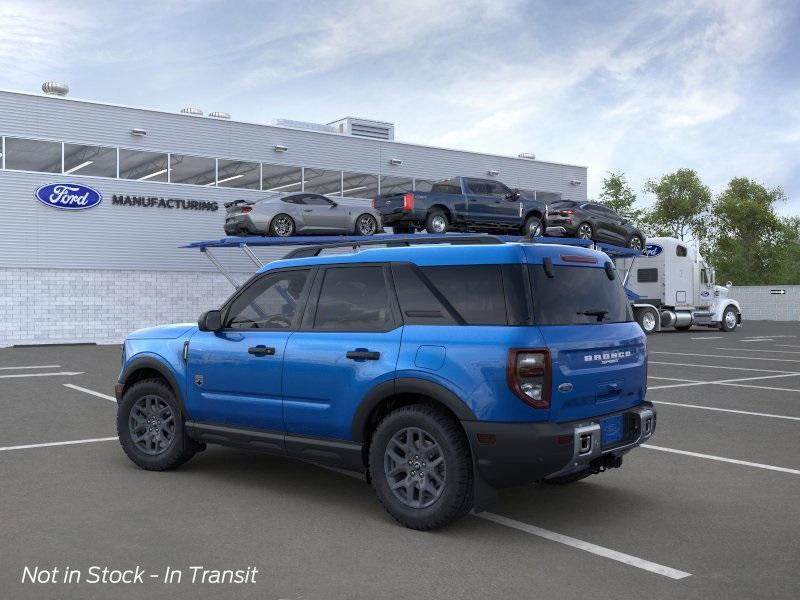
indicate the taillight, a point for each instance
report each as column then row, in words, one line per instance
column 569, row 211
column 528, row 374
column 374, row 202
column 408, row 202
column 246, row 209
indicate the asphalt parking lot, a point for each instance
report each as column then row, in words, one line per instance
column 708, row 510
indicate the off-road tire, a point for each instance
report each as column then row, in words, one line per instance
column 456, row 497
column 180, row 449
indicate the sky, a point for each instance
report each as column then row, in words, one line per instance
column 640, row 87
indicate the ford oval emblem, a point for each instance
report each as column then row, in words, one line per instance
column 565, row 387
column 652, row 250
column 68, row 196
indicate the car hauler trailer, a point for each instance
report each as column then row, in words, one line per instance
column 671, row 285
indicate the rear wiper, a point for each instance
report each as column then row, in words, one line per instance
column 600, row 313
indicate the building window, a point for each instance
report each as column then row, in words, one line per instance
column 33, row 155
column 195, row 170
column 238, row 174
column 280, row 178
column 423, row 185
column 359, row 185
column 320, row 181
column 98, row 161
column 396, row 185
column 143, row 166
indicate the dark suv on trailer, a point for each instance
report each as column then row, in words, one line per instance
column 442, row 371
column 593, row 221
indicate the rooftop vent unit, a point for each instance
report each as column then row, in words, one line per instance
column 375, row 130
column 53, row 88
column 303, row 125
column 192, row 110
column 219, row 115
column 527, row 155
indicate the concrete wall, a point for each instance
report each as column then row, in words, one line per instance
column 759, row 304
column 40, row 306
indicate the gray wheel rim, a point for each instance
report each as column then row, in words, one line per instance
column 730, row 319
column 535, row 228
column 585, row 232
column 151, row 424
column 648, row 321
column 413, row 464
column 282, row 226
column 439, row 224
column 366, row 225
column 635, row 243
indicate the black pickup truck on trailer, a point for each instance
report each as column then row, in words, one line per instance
column 463, row 203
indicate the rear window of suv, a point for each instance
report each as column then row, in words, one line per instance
column 577, row 296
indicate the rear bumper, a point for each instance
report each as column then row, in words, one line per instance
column 242, row 225
column 509, row 454
column 398, row 215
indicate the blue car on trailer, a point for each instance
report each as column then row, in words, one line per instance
column 443, row 367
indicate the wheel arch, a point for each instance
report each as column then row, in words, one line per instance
column 146, row 367
column 445, row 209
column 533, row 212
column 387, row 396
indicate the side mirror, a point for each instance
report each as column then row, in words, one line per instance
column 334, row 204
column 514, row 195
column 210, row 320
column 729, row 284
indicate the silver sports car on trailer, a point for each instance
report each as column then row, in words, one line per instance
column 284, row 215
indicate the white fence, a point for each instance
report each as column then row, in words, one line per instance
column 768, row 302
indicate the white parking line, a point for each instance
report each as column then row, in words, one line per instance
column 728, row 356
column 759, row 350
column 708, row 337
column 787, row 346
column 657, row 362
column 734, row 382
column 633, row 561
column 48, row 444
column 31, row 367
column 729, row 410
column 723, row 459
column 757, row 340
column 91, row 392
column 65, row 373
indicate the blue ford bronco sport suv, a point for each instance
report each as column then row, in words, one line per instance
column 443, row 371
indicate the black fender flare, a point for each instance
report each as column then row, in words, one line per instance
column 150, row 362
column 407, row 385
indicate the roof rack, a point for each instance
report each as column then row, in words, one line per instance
column 310, row 246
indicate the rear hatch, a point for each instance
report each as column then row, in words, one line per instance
column 597, row 352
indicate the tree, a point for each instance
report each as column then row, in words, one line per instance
column 751, row 244
column 681, row 205
column 618, row 195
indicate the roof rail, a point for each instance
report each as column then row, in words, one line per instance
column 397, row 241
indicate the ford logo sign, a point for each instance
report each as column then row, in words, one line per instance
column 68, row 196
column 652, row 250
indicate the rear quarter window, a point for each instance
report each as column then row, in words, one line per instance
column 474, row 291
column 577, row 296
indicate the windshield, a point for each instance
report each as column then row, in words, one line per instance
column 577, row 296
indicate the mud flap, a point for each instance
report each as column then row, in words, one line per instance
column 484, row 495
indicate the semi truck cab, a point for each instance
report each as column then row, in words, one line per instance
column 673, row 286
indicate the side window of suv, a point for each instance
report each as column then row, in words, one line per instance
column 354, row 299
column 474, row 291
column 272, row 302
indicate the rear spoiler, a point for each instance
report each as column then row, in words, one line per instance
column 238, row 203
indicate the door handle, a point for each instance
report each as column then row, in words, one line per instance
column 307, row 210
column 363, row 355
column 261, row 350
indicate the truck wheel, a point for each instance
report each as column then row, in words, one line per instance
column 436, row 222
column 282, row 225
column 729, row 320
column 646, row 320
column 421, row 468
column 533, row 227
column 150, row 427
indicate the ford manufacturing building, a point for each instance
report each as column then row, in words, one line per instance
column 162, row 179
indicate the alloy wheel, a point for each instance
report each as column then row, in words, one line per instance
column 367, row 225
column 730, row 319
column 413, row 464
column 535, row 228
column 439, row 224
column 151, row 424
column 282, row 226
column 585, row 231
column 635, row 243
